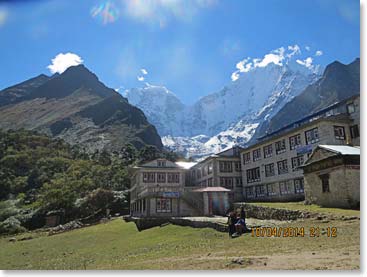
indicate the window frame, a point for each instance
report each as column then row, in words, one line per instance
column 338, row 129
column 161, row 201
column 284, row 169
column 295, row 138
column 267, row 153
column 314, row 139
column 282, row 146
column 272, row 173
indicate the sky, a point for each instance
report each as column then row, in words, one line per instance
column 191, row 46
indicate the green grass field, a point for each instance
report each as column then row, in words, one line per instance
column 118, row 245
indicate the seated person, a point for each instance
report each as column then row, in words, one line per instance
column 240, row 225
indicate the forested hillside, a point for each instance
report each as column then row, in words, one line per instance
column 39, row 174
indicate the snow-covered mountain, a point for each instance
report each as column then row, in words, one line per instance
column 259, row 89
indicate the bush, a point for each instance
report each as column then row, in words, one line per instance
column 11, row 226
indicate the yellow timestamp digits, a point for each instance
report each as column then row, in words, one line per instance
column 287, row 232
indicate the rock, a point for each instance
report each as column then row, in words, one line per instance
column 239, row 261
column 12, row 240
column 325, row 221
column 26, row 238
column 313, row 253
column 319, row 217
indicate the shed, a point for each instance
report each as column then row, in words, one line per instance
column 332, row 176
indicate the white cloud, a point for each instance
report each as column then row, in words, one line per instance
column 278, row 57
column 162, row 10
column 295, row 50
column 140, row 78
column 319, row 53
column 63, row 61
column 3, row 16
column 144, row 71
column 306, row 62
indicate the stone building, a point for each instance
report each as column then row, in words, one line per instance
column 332, row 176
column 271, row 168
column 220, row 170
column 157, row 189
column 161, row 188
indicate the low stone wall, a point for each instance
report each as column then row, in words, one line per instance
column 146, row 223
column 260, row 212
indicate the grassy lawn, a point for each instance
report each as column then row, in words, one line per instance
column 310, row 208
column 118, row 245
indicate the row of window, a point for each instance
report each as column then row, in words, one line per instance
column 161, row 177
column 295, row 186
column 227, row 182
column 138, row 206
column 311, row 136
column 224, row 167
column 253, row 174
column 163, row 205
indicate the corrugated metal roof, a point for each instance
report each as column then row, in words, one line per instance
column 185, row 165
column 212, row 189
column 342, row 149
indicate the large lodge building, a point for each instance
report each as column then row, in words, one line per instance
column 269, row 170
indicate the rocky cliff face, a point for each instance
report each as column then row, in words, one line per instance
column 338, row 82
column 77, row 107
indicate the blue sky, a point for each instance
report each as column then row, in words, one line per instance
column 191, row 47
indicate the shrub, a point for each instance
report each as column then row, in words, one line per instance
column 11, row 226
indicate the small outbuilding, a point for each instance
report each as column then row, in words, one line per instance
column 332, row 176
column 215, row 200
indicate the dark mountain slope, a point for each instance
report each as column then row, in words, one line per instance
column 77, row 107
column 338, row 82
column 13, row 94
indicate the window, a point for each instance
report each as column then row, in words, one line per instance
column 238, row 182
column 210, row 168
column 161, row 177
column 256, row 154
column 173, row 177
column 271, row 189
column 325, row 182
column 354, row 131
column 297, row 162
column 312, row 136
column 269, row 170
column 280, row 146
column 298, row 185
column 285, row 187
column 204, row 171
column 210, row 182
column 203, row 184
column 295, row 141
column 339, row 132
column 226, row 182
column 253, row 175
column 351, row 108
column 268, row 151
column 260, row 191
column 164, row 205
column 225, row 166
column 246, row 158
column 237, row 166
column 283, row 167
column 148, row 177
column 198, row 173
column 161, row 163
column 249, row 191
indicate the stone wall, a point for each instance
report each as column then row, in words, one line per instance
column 146, row 223
column 260, row 212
